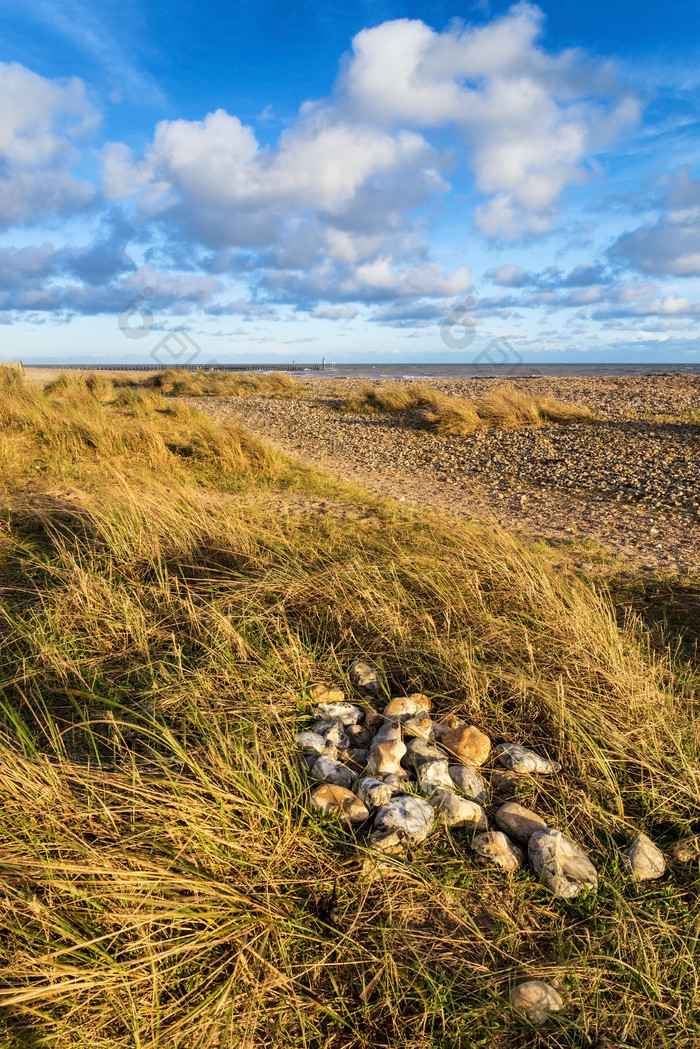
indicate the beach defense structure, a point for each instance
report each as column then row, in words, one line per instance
column 197, row 367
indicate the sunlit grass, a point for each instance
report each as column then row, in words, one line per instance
column 214, row 383
column 159, row 867
column 447, row 414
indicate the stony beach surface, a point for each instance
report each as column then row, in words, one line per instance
column 630, row 481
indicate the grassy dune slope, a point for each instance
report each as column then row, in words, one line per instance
column 160, row 625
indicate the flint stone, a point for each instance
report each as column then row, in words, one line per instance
column 334, row 732
column 441, row 727
column 358, row 735
column 357, row 757
column 374, row 793
column 408, row 817
column 434, row 774
column 364, row 676
column 521, row 760
column 458, row 812
column 372, row 719
column 420, row 752
column 536, row 999
column 497, row 850
column 386, row 757
column 327, row 770
column 407, row 706
column 324, row 694
column 469, row 782
column 393, row 843
column 685, row 851
column 518, row 822
column 420, row 726
column 332, row 798
column 313, row 743
column 562, row 865
column 643, row 860
column 398, row 781
column 387, row 733
column 345, row 713
column 467, row 744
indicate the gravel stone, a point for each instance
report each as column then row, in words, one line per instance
column 345, row 713
column 327, row 770
column 409, row 818
column 332, row 798
column 365, row 677
column 643, row 860
column 518, row 822
column 562, row 865
column 520, row 759
column 497, row 850
column 469, row 782
column 536, row 999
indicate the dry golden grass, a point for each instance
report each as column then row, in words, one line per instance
column 505, row 408
column 214, row 383
column 159, row 865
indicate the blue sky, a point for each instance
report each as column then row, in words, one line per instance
column 268, row 181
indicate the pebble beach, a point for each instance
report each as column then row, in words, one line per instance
column 630, row 481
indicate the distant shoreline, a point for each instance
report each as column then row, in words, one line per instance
column 408, row 371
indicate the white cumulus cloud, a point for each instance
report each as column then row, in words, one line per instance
column 41, row 121
column 533, row 120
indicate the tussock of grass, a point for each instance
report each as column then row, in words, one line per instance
column 80, row 420
column 215, row 383
column 445, row 414
column 158, row 864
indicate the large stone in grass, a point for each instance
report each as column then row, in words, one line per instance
column 312, row 744
column 433, row 775
column 521, row 760
column 420, row 726
column 334, row 732
column 419, row 752
column 388, row 732
column 406, row 706
column 340, row 801
column 469, row 782
column 643, row 860
column 365, row 677
column 400, row 781
column 385, row 758
column 518, row 822
column 327, row 694
column 561, row 864
column 359, row 735
column 405, row 821
column 374, row 792
column 496, row 850
column 467, row 744
column 456, row 811
column 536, row 999
column 345, row 713
column 327, row 770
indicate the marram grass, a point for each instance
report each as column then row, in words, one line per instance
column 447, row 414
column 159, row 868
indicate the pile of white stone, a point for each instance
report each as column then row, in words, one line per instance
column 407, row 772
